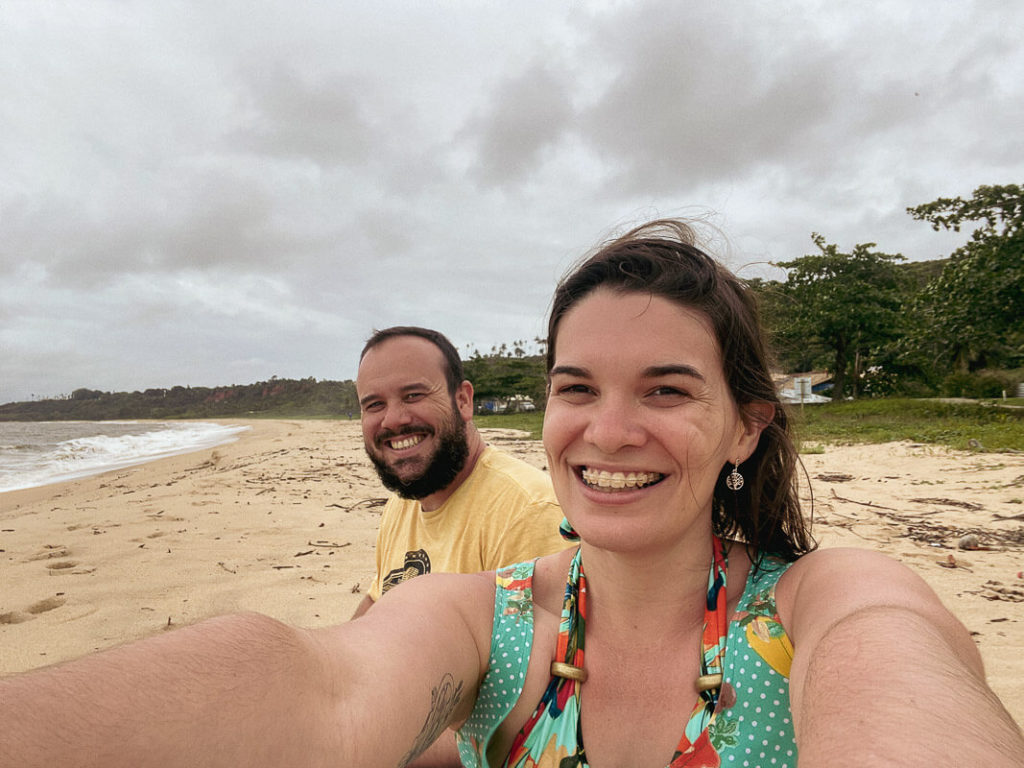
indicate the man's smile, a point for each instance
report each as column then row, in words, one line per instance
column 402, row 439
column 401, row 443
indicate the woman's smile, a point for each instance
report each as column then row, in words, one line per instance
column 612, row 482
column 640, row 421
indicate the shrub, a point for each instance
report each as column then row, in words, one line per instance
column 984, row 383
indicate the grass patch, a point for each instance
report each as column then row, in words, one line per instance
column 1018, row 401
column 808, row 449
column 953, row 425
column 963, row 426
column 532, row 422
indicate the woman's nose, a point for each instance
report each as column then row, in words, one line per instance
column 615, row 425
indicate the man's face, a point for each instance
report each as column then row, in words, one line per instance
column 413, row 429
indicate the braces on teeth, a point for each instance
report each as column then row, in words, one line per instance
column 605, row 479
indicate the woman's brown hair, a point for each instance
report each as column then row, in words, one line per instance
column 660, row 258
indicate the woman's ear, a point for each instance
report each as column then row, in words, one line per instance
column 755, row 417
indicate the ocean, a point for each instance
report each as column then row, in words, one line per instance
column 34, row 453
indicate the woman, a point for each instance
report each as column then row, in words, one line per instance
column 659, row 399
column 692, row 626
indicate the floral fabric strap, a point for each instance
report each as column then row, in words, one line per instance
column 553, row 736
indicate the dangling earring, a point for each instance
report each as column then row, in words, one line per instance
column 734, row 480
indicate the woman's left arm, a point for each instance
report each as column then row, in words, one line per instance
column 882, row 672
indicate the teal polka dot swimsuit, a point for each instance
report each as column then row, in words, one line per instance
column 752, row 725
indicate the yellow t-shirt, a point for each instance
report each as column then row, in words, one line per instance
column 503, row 513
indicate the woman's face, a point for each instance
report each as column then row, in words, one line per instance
column 639, row 420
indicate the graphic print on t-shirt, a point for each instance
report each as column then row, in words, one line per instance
column 416, row 564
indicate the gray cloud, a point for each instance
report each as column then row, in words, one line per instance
column 204, row 194
column 527, row 114
column 326, row 121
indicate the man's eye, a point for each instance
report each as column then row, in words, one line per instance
column 414, row 396
column 371, row 407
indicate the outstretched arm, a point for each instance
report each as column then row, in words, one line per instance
column 248, row 690
column 882, row 673
column 364, row 605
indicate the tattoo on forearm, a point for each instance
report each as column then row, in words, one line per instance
column 444, row 698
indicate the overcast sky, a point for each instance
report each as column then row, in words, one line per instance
column 214, row 193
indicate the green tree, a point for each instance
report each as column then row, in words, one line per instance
column 972, row 312
column 791, row 350
column 848, row 303
column 500, row 376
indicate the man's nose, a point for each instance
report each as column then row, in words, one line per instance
column 396, row 415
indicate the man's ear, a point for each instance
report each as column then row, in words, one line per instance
column 464, row 400
column 755, row 417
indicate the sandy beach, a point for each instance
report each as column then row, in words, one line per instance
column 283, row 521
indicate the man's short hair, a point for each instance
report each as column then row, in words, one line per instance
column 453, row 372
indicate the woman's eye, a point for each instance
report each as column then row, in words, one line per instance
column 670, row 392
column 573, row 389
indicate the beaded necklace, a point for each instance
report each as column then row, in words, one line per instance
column 555, row 723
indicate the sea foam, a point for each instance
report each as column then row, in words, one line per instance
column 33, row 454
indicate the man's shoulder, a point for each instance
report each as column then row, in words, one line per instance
column 499, row 473
column 498, row 458
column 394, row 500
column 398, row 508
column 497, row 462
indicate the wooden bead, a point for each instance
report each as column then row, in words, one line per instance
column 568, row 671
column 708, row 683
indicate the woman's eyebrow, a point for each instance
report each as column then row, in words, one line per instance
column 568, row 370
column 656, row 371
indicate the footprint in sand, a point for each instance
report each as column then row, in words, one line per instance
column 62, row 565
column 154, row 535
column 42, row 606
column 46, row 604
column 68, row 566
column 50, row 552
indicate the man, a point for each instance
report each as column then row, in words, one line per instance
column 458, row 505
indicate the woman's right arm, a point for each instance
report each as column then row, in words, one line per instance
column 249, row 690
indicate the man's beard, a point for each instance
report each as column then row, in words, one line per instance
column 448, row 460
